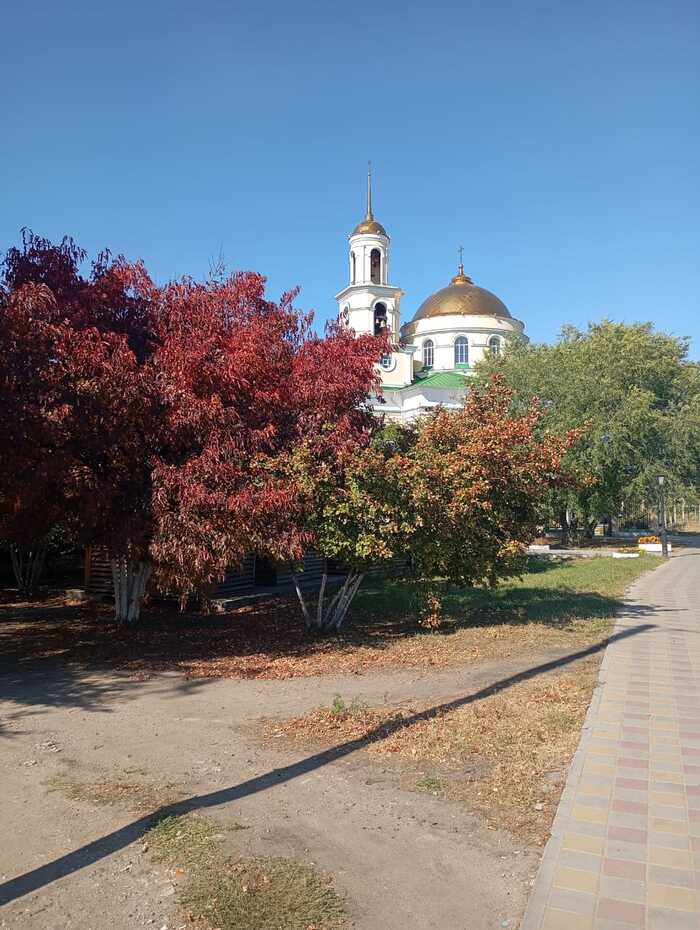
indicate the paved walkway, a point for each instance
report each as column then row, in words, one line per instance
column 625, row 846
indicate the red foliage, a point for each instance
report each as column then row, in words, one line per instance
column 244, row 380
column 164, row 407
column 31, row 462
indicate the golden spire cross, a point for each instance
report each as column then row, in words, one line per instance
column 460, row 252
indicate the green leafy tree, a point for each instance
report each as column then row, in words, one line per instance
column 459, row 496
column 478, row 479
column 353, row 509
column 637, row 396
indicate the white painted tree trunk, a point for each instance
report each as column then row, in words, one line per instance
column 331, row 616
column 335, row 620
column 27, row 565
column 304, row 609
column 130, row 579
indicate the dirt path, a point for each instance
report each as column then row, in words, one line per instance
column 402, row 859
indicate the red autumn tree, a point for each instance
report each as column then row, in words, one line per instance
column 86, row 403
column 244, row 381
column 40, row 283
column 166, row 408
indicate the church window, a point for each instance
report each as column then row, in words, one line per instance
column 386, row 361
column 495, row 345
column 353, row 270
column 461, row 352
column 375, row 266
column 380, row 322
column 428, row 353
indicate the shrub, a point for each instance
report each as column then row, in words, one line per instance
column 645, row 540
column 431, row 616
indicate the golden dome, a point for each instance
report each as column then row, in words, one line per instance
column 462, row 297
column 369, row 225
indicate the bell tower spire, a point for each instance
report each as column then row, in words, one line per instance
column 369, row 304
column 369, row 215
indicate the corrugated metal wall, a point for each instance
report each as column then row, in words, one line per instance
column 396, row 568
column 237, row 582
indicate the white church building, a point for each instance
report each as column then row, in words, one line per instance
column 433, row 355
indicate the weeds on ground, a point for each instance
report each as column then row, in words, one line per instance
column 340, row 709
column 134, row 796
column 505, row 754
column 429, row 783
column 243, row 894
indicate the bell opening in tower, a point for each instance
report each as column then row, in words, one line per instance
column 380, row 320
column 375, row 266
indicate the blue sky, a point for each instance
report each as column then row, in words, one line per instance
column 558, row 142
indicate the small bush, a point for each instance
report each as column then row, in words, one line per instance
column 647, row 540
column 431, row 615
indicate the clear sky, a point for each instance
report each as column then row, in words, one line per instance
column 557, row 141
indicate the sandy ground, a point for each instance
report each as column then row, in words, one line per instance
column 400, row 858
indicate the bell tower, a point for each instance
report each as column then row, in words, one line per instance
column 369, row 304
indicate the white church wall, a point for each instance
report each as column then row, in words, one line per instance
column 444, row 330
column 401, row 371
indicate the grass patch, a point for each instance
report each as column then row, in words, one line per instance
column 505, row 754
column 135, row 796
column 429, row 783
column 551, row 593
column 243, row 894
column 554, row 604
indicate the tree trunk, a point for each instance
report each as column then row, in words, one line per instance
column 27, row 565
column 329, row 617
column 308, row 622
column 337, row 619
column 130, row 579
column 565, row 530
column 321, row 595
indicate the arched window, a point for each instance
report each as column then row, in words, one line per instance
column 375, row 266
column 386, row 361
column 428, row 353
column 353, row 270
column 461, row 352
column 380, row 323
column 495, row 345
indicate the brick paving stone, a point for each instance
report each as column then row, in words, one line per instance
column 662, row 919
column 625, row 845
column 626, row 912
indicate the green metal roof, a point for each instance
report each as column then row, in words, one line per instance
column 437, row 379
column 448, row 379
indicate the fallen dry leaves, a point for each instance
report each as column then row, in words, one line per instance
column 261, row 641
column 505, row 754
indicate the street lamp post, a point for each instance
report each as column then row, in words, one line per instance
column 607, row 520
column 662, row 517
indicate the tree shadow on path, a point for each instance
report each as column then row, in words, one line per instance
column 93, row 852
